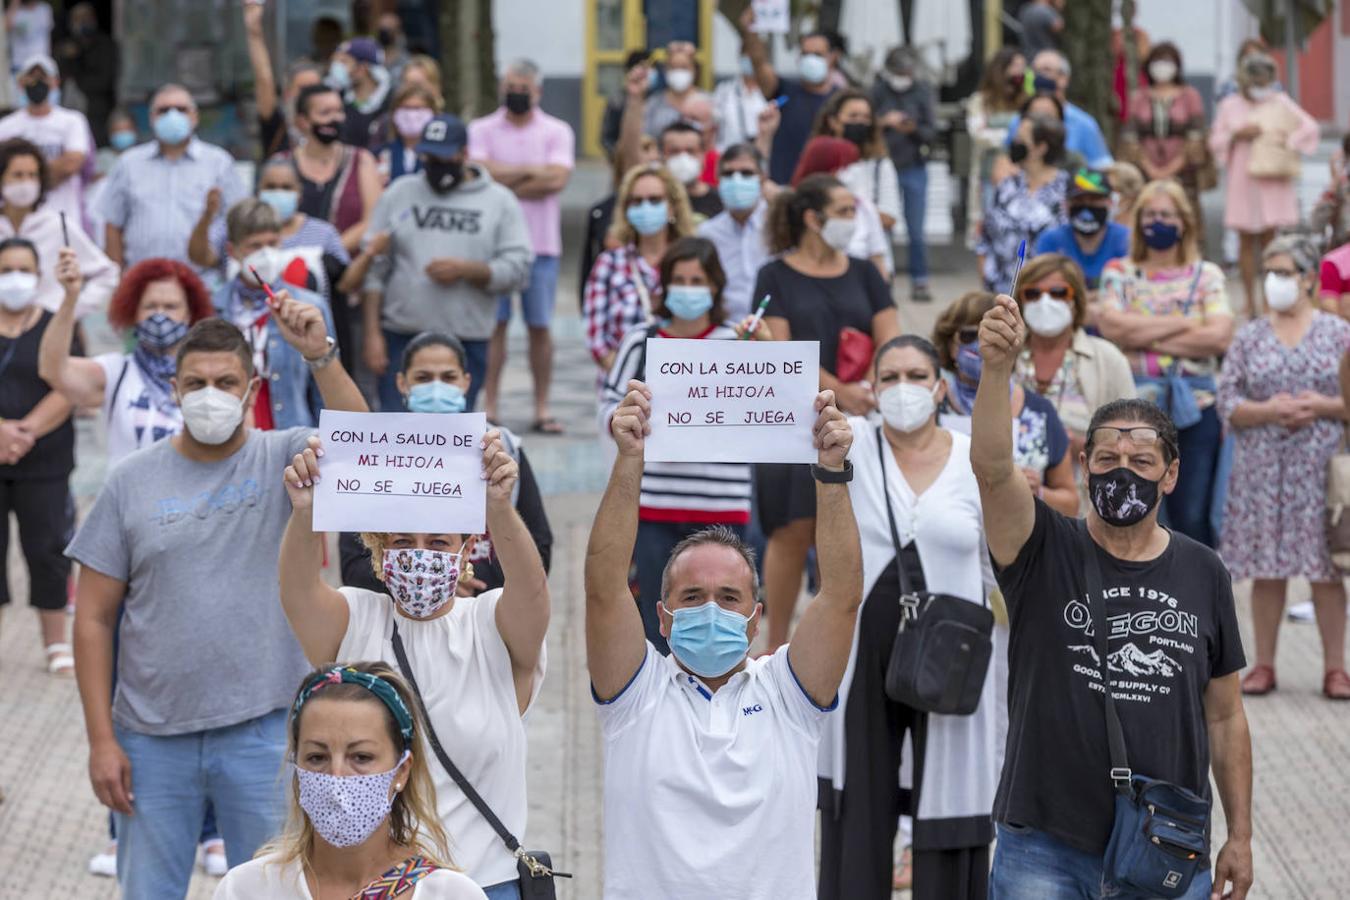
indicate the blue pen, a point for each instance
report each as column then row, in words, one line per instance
column 780, row 101
column 1021, row 258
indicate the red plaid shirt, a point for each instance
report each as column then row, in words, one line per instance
column 612, row 304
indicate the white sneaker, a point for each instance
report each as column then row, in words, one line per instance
column 1301, row 612
column 211, row 858
column 104, row 864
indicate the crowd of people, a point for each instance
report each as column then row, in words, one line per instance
column 1080, row 457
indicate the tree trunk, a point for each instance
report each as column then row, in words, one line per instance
column 485, row 44
column 1086, row 40
column 447, row 27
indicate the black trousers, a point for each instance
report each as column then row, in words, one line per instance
column 46, row 515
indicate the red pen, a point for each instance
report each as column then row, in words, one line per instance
column 271, row 297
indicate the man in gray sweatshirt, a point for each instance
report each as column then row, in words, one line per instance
column 456, row 240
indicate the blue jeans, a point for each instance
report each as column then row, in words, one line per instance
column 655, row 540
column 1031, row 865
column 1188, row 507
column 914, row 193
column 507, row 890
column 237, row 769
column 537, row 297
column 395, row 343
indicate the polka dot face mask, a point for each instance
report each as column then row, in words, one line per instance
column 346, row 809
column 421, row 581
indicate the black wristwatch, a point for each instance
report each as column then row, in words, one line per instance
column 829, row 476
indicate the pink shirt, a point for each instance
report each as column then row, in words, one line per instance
column 542, row 141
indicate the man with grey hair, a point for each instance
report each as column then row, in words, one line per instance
column 157, row 191
column 710, row 756
column 533, row 154
column 288, row 396
column 1083, row 134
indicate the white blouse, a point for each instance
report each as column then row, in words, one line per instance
column 266, row 879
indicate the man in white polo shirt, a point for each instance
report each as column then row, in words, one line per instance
column 710, row 757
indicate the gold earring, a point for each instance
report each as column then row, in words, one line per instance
column 468, row 571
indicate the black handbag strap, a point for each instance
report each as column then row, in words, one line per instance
column 455, row 774
column 1115, row 736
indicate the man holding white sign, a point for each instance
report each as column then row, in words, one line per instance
column 710, row 756
column 476, row 662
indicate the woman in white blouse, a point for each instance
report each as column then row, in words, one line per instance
column 477, row 661
column 931, row 492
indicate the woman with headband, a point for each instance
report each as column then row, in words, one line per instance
column 362, row 817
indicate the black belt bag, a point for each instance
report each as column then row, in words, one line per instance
column 1160, row 836
column 941, row 653
column 535, row 866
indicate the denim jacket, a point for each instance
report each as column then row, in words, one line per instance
column 294, row 395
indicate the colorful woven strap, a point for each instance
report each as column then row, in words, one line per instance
column 397, row 880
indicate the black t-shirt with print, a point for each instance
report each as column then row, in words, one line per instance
column 1173, row 628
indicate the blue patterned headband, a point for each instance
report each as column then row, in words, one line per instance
column 373, row 683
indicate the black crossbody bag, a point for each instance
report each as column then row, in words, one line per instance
column 940, row 657
column 535, row 866
column 1160, row 836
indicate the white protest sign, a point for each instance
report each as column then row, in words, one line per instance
column 771, row 16
column 407, row 472
column 732, row 401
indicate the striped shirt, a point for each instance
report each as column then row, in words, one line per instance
column 701, row 493
column 612, row 303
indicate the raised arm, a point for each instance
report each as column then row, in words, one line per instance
column 754, row 48
column 615, row 643
column 318, row 613
column 199, row 248
column 264, row 82
column 81, row 381
column 302, row 325
column 1005, row 496
column 523, row 610
column 628, row 149
column 820, row 647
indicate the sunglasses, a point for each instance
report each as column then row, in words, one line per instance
column 968, row 335
column 1142, row 436
column 1031, row 292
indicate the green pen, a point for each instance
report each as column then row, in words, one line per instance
column 756, row 318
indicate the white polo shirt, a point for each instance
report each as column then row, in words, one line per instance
column 711, row 794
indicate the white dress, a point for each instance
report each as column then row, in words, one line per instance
column 265, row 879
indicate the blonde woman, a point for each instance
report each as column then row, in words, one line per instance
column 362, row 806
column 1168, row 310
column 652, row 212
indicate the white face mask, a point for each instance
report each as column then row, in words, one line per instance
column 1258, row 94
column 838, row 233
column 679, row 80
column 17, row 290
column 685, row 167
column 907, row 406
column 1162, row 71
column 266, row 260
column 1281, row 291
column 21, row 194
column 1047, row 316
column 211, row 415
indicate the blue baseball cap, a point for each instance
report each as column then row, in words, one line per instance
column 445, row 135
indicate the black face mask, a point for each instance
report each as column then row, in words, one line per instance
column 443, row 174
column 1017, row 151
column 387, row 37
column 327, row 132
column 1088, row 220
column 1122, row 497
column 37, row 91
column 517, row 102
column 857, row 132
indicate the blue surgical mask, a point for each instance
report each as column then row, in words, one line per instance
column 436, row 397
column 172, row 127
column 122, row 140
column 969, row 363
column 738, row 192
column 813, row 68
column 710, row 641
column 339, row 76
column 283, row 202
column 688, row 301
column 647, row 217
column 1161, row 235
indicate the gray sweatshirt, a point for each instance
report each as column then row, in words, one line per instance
column 480, row 220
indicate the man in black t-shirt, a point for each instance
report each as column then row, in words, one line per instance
column 1174, row 648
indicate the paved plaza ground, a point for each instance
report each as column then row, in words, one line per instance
column 50, row 822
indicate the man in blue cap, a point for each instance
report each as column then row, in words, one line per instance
column 456, row 240
column 357, row 70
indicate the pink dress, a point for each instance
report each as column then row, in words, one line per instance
column 1256, row 204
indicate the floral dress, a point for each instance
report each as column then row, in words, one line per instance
column 1275, row 523
column 1018, row 214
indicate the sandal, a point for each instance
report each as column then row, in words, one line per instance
column 1336, row 685
column 547, row 425
column 59, row 660
column 1259, row 681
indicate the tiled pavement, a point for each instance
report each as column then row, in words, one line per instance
column 50, row 822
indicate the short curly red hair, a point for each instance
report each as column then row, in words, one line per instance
column 127, row 300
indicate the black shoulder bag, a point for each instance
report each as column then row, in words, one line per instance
column 941, row 652
column 535, row 866
column 1160, row 836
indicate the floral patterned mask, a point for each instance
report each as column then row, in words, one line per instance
column 421, row 581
